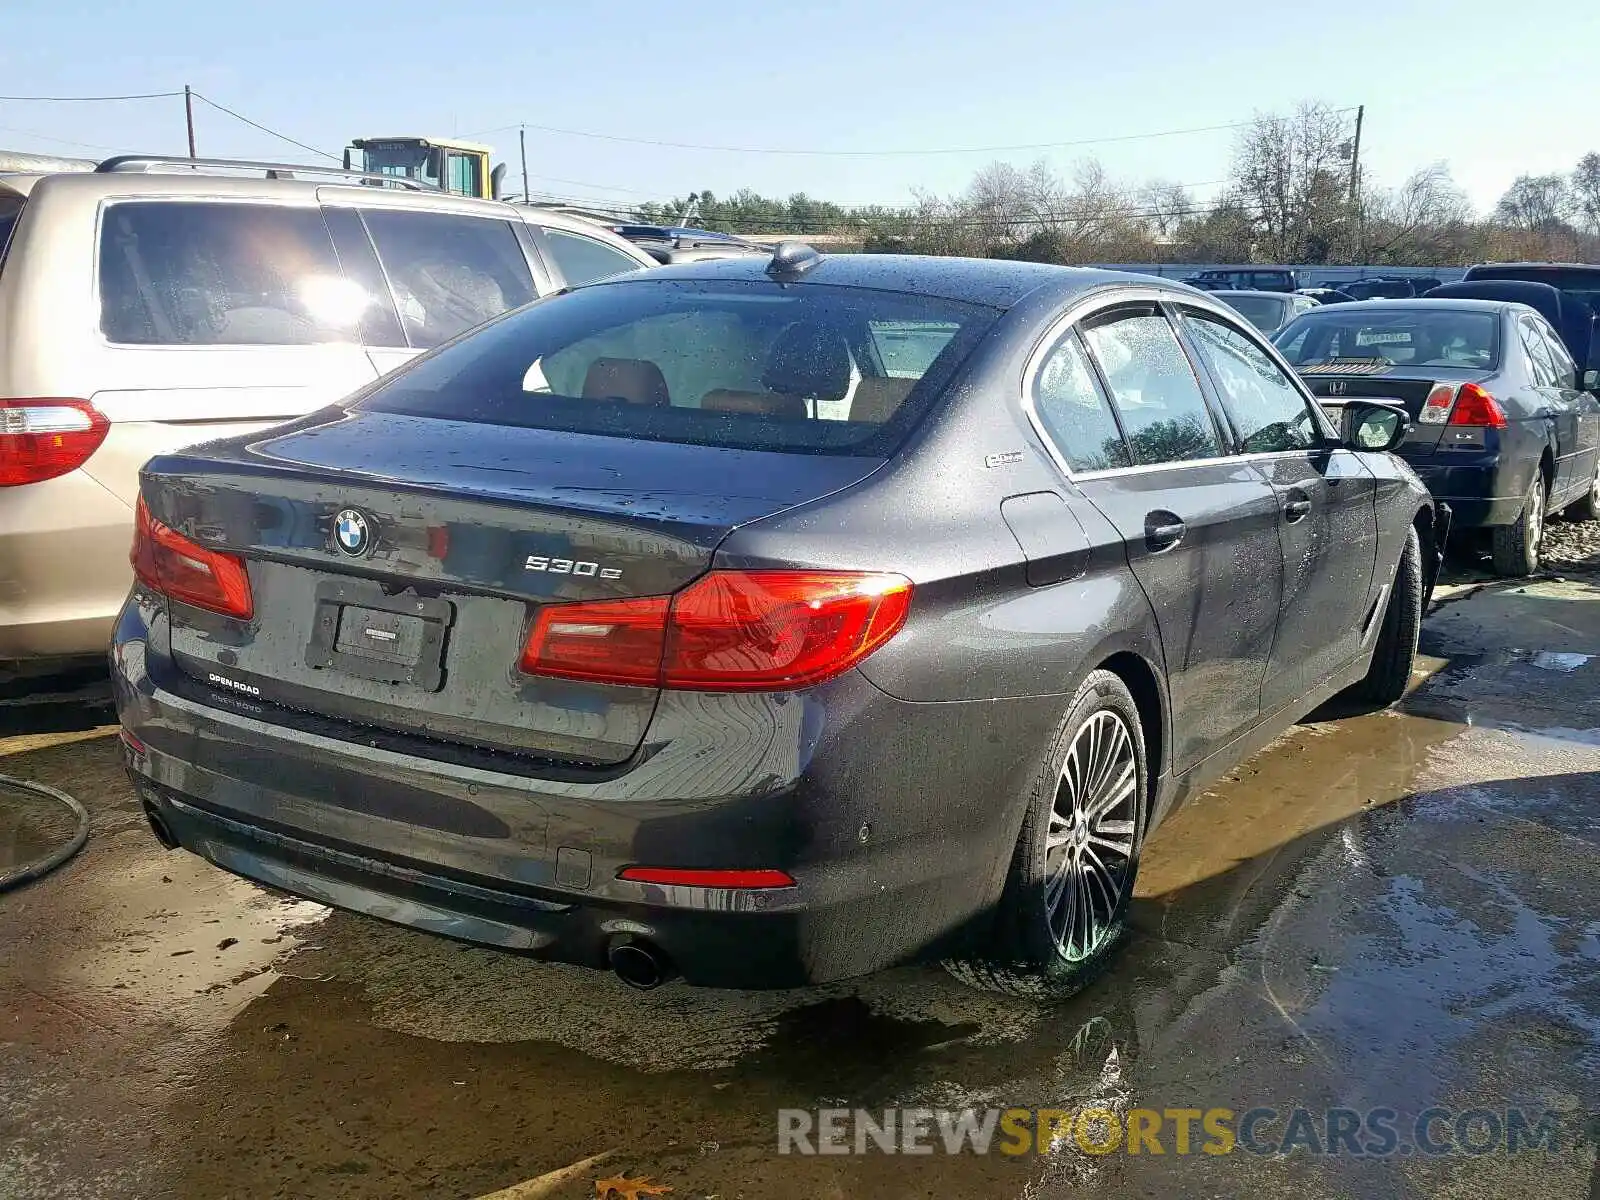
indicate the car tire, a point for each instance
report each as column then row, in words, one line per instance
column 1077, row 856
column 1588, row 508
column 1392, row 658
column 1514, row 548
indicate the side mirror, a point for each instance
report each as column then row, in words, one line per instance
column 1591, row 381
column 1373, row 426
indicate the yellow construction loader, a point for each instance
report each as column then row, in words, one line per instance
column 458, row 167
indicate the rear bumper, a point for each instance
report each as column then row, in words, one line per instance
column 896, row 820
column 1479, row 494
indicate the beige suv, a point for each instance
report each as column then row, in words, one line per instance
column 151, row 304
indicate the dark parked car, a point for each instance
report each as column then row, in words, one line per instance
column 680, row 244
column 1380, row 287
column 1260, row 279
column 676, row 624
column 1501, row 431
column 1267, row 311
column 1327, row 295
column 1577, row 316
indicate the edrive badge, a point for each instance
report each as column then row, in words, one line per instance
column 352, row 532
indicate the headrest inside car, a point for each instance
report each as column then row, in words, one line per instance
column 633, row 380
column 809, row 360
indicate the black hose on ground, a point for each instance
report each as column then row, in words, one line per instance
column 41, row 867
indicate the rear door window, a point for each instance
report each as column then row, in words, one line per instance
column 1153, row 386
column 582, row 259
column 750, row 365
column 1543, row 366
column 448, row 271
column 221, row 274
column 1074, row 410
column 1566, row 369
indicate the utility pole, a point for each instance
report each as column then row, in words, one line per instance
column 188, row 116
column 1355, row 185
column 1355, row 154
column 522, row 144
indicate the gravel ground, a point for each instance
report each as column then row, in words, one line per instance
column 1572, row 546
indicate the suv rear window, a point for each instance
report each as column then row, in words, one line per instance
column 176, row 273
column 802, row 368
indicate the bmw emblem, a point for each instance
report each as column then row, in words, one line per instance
column 352, row 532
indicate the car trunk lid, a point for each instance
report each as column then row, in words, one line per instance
column 1342, row 380
column 396, row 563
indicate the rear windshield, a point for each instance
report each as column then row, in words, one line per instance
column 1263, row 312
column 806, row 368
column 1399, row 337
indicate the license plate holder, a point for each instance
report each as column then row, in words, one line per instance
column 361, row 631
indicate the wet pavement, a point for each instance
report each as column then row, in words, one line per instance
column 1394, row 910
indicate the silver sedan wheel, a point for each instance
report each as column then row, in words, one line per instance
column 1089, row 846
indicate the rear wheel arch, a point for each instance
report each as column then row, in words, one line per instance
column 1423, row 521
column 1150, row 699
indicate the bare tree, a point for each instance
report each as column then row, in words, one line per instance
column 1165, row 205
column 1585, row 189
column 1292, row 174
column 1225, row 232
column 1536, row 204
column 1426, row 220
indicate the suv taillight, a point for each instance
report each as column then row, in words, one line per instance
column 171, row 564
column 43, row 438
column 728, row 631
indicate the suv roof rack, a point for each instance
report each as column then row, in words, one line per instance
column 144, row 162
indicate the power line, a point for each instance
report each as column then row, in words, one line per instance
column 45, row 137
column 1095, row 141
column 256, row 125
column 87, row 99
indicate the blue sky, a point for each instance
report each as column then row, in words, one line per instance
column 1441, row 80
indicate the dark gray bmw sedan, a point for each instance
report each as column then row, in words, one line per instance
column 766, row 622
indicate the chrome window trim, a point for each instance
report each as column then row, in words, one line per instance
column 1087, row 307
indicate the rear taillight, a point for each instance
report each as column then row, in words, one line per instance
column 1468, row 404
column 1474, row 406
column 43, row 438
column 170, row 563
column 727, row 631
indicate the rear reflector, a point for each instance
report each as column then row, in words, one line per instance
column 727, row 631
column 41, row 439
column 709, row 879
column 170, row 563
column 1474, row 406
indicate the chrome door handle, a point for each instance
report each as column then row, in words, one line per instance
column 1296, row 510
column 1163, row 533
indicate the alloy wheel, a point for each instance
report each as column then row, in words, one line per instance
column 1089, row 846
